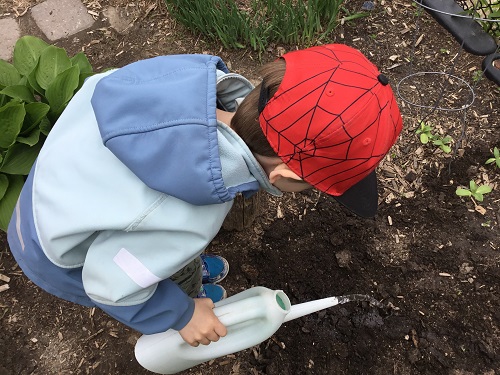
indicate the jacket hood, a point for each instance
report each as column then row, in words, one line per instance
column 158, row 116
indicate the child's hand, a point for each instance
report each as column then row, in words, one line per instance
column 204, row 327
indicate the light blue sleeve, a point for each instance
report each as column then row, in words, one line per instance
column 127, row 275
column 126, row 272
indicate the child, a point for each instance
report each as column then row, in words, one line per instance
column 138, row 174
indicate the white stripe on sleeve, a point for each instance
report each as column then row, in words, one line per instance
column 135, row 269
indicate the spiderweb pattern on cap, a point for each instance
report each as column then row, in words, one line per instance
column 332, row 120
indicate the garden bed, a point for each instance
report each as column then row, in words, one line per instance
column 430, row 256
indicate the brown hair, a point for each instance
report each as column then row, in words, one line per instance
column 246, row 119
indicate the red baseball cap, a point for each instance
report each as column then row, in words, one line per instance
column 332, row 120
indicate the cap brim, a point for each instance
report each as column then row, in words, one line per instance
column 362, row 198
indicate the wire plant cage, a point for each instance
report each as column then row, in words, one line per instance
column 475, row 25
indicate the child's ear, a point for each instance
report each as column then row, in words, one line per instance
column 282, row 171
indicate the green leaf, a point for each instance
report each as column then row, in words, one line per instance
column 82, row 78
column 53, row 61
column 11, row 121
column 424, row 138
column 32, row 139
column 8, row 74
column 82, row 62
column 446, row 149
column 26, row 53
column 61, row 90
column 463, row 192
column 9, row 200
column 4, row 184
column 484, row 189
column 490, row 160
column 35, row 112
column 20, row 158
column 478, row 196
column 34, row 84
column 19, row 92
column 45, row 126
column 472, row 185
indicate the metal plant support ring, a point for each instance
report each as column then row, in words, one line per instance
column 436, row 105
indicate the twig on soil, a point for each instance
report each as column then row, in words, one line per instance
column 80, row 364
column 95, row 334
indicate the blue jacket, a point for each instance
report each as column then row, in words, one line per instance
column 133, row 182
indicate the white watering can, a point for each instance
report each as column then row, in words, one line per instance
column 250, row 317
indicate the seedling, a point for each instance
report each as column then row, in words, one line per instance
column 486, row 224
column 477, row 75
column 475, row 191
column 425, row 133
column 442, row 143
column 496, row 158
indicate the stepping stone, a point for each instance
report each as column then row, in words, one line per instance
column 10, row 34
column 61, row 18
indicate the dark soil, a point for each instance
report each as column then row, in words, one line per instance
column 431, row 257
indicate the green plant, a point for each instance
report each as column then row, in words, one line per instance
column 442, row 143
column 259, row 23
column 496, row 158
column 34, row 90
column 475, row 191
column 477, row 75
column 425, row 132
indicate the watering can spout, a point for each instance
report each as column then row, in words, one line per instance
column 301, row 309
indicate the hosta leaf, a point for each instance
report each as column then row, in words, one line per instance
column 53, row 61
column 45, row 126
column 11, row 121
column 4, row 183
column 26, row 53
column 82, row 78
column 35, row 112
column 8, row 74
column 19, row 92
column 32, row 139
column 9, row 200
column 34, row 84
column 20, row 158
column 82, row 62
column 61, row 89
